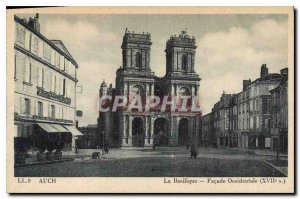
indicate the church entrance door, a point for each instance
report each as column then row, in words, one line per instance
column 183, row 132
column 137, row 132
column 160, row 132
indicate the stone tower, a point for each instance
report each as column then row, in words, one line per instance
column 180, row 53
column 136, row 51
column 103, row 89
column 135, row 78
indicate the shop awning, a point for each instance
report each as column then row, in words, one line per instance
column 48, row 128
column 74, row 131
column 59, row 128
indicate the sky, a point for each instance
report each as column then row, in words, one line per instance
column 230, row 48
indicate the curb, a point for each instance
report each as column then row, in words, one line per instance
column 42, row 163
column 275, row 168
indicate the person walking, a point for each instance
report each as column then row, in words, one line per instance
column 194, row 152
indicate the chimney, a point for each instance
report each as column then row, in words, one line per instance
column 246, row 83
column 34, row 23
column 264, row 71
column 284, row 72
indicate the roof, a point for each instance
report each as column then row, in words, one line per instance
column 103, row 84
column 62, row 49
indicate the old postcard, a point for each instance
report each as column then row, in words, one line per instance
column 150, row 100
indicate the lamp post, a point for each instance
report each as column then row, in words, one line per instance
column 103, row 141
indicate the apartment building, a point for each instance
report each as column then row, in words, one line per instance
column 44, row 85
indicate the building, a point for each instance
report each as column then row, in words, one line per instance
column 279, row 115
column 254, row 112
column 233, row 121
column 244, row 119
column 207, row 128
column 221, row 120
column 135, row 78
column 90, row 137
column 44, row 86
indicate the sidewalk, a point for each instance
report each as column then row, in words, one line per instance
column 263, row 152
column 136, row 152
column 32, row 160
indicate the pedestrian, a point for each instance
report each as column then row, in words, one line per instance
column 106, row 150
column 153, row 147
column 194, row 151
column 187, row 146
column 76, row 149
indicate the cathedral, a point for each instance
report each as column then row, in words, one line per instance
column 124, row 128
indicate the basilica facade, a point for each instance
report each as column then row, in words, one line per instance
column 124, row 128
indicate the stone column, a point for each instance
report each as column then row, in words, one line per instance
column 131, row 58
column 146, row 132
column 152, row 89
column 129, row 131
column 193, row 62
column 147, row 90
column 127, row 58
column 193, row 91
column 172, row 62
column 151, row 131
column 172, row 89
column 189, row 61
column 176, row 61
column 143, row 59
column 123, row 129
column 148, row 59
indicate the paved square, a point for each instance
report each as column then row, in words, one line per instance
column 163, row 162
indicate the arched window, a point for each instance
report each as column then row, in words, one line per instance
column 184, row 63
column 138, row 60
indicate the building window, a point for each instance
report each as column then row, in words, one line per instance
column 269, row 105
column 21, row 34
column 35, row 47
column 27, row 106
column 64, row 87
column 47, row 51
column 40, row 75
column 40, row 108
column 52, row 111
column 27, row 73
column 57, row 58
column 138, row 60
column 184, row 62
column 15, row 68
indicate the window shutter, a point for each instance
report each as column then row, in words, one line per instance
column 38, row 76
column 36, row 108
column 22, row 106
column 49, row 111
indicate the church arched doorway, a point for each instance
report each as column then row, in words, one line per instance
column 137, row 132
column 161, row 132
column 183, row 132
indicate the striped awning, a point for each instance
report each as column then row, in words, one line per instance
column 48, row 128
column 60, row 128
column 74, row 131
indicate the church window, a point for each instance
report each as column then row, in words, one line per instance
column 138, row 60
column 184, row 62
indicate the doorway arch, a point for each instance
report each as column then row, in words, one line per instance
column 183, row 132
column 137, row 132
column 161, row 135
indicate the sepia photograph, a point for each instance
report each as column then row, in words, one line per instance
column 179, row 98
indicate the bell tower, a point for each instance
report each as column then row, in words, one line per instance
column 136, row 51
column 180, row 54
